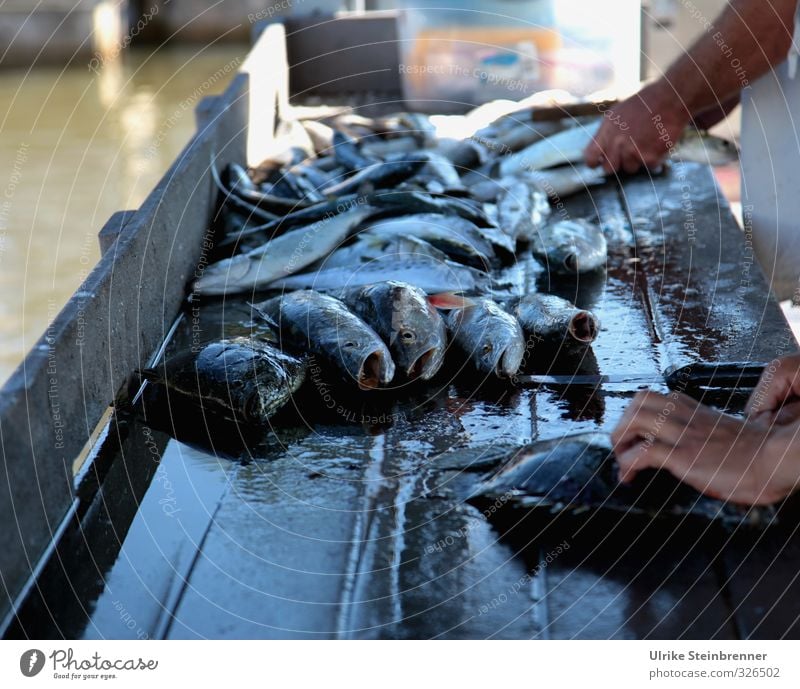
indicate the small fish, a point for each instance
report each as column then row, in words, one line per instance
column 561, row 182
column 283, row 255
column 553, row 319
column 701, row 147
column 239, row 379
column 403, row 316
column 368, row 247
column 347, row 153
column 521, row 211
column 560, row 149
column 465, row 154
column 384, row 173
column 458, row 238
column 491, row 337
column 326, row 327
column 570, row 246
column 429, row 274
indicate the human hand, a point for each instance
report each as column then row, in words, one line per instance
column 778, row 387
column 740, row 460
column 640, row 130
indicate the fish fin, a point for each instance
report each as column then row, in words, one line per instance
column 263, row 315
column 450, row 300
column 148, row 374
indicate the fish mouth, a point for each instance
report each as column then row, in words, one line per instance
column 571, row 262
column 375, row 371
column 425, row 366
column 584, row 327
column 509, row 362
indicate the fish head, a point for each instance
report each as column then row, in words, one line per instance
column 417, row 334
column 496, row 341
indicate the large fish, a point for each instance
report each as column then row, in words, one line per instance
column 491, row 338
column 570, row 246
column 577, row 473
column 283, row 255
column 561, row 182
column 549, row 318
column 406, row 320
column 239, row 379
column 565, row 147
column 326, row 327
column 429, row 274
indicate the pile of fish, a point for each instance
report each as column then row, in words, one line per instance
column 379, row 243
column 380, row 247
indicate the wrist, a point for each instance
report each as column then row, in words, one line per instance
column 778, row 463
column 662, row 99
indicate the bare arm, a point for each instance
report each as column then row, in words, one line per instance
column 746, row 41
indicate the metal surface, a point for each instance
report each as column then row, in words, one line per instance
column 344, row 520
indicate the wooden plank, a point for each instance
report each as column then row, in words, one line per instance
column 52, row 403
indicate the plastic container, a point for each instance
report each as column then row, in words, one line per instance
column 455, row 57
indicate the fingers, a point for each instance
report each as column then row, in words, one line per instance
column 640, row 456
column 779, row 382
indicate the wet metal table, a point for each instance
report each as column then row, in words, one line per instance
column 345, row 523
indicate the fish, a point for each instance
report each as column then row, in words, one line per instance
column 406, row 320
column 240, row 379
column 491, row 338
column 460, row 239
column 465, row 154
column 400, row 201
column 570, row 246
column 383, row 173
column 324, row 326
column 321, row 135
column 578, row 473
column 347, row 153
column 521, row 211
column 561, row 182
column 549, row 318
column 429, row 274
column 369, row 247
column 563, row 148
column 283, row 255
column 702, row 147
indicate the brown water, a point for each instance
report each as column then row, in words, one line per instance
column 77, row 146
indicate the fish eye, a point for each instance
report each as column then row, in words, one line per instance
column 349, row 344
column 407, row 336
column 487, row 348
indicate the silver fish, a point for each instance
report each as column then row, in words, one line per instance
column 430, row 275
column 369, row 247
column 457, row 237
column 324, row 326
column 570, row 246
column 701, row 147
column 491, row 337
column 553, row 319
column 283, row 255
column 561, row 182
column 402, row 315
column 521, row 211
column 565, row 147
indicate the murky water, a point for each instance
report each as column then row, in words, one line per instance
column 77, row 146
